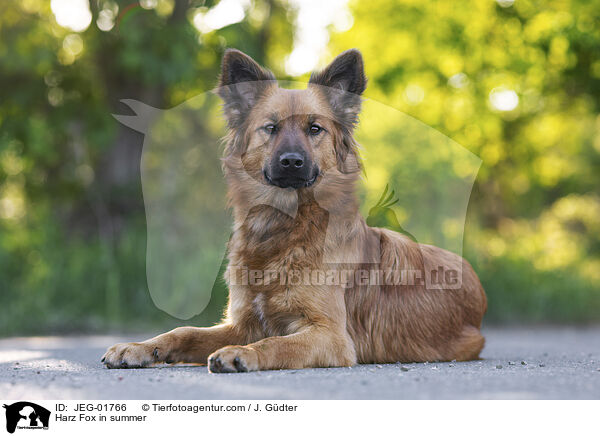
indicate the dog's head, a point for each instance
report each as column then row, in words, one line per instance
column 291, row 139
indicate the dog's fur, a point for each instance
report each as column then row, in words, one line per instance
column 318, row 227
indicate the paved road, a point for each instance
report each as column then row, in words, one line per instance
column 518, row 363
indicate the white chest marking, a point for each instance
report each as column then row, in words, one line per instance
column 259, row 309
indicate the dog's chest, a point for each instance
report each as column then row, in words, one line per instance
column 272, row 240
column 277, row 251
column 277, row 315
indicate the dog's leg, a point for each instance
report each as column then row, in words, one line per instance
column 311, row 347
column 183, row 344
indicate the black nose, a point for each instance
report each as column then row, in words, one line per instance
column 291, row 160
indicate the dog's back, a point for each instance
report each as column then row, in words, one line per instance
column 410, row 322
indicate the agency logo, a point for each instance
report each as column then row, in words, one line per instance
column 426, row 179
column 26, row 415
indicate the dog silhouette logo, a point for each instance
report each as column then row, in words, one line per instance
column 26, row 415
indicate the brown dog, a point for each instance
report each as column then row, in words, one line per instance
column 291, row 165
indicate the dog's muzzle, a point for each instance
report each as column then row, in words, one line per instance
column 291, row 182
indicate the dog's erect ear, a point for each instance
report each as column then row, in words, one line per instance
column 343, row 82
column 238, row 67
column 241, row 83
column 346, row 73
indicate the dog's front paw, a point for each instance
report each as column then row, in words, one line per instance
column 234, row 358
column 130, row 355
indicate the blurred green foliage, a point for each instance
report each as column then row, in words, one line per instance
column 517, row 84
column 72, row 227
column 533, row 228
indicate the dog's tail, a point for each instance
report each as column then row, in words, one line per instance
column 468, row 345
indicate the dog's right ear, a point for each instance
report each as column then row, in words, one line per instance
column 343, row 81
column 241, row 84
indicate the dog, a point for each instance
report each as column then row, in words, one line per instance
column 292, row 164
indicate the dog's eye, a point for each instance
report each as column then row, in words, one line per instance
column 270, row 128
column 315, row 129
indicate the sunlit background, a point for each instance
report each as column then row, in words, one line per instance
column 517, row 83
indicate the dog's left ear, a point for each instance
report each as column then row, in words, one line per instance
column 241, row 83
column 343, row 82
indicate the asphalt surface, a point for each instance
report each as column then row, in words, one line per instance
column 523, row 363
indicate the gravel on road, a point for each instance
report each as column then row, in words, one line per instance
column 517, row 363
